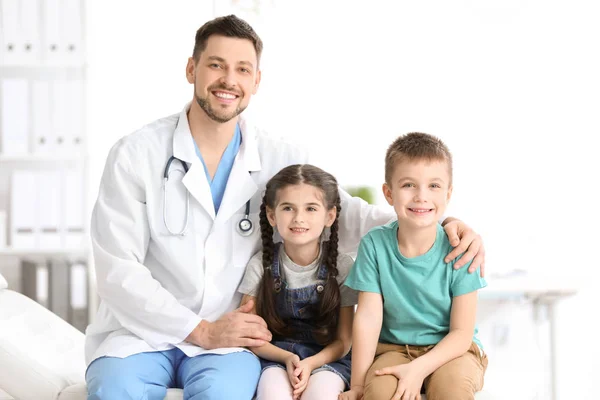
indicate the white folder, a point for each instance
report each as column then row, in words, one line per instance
column 72, row 32
column 42, row 136
column 23, row 210
column 15, row 117
column 30, row 35
column 10, row 37
column 74, row 118
column 49, row 209
column 60, row 117
column 53, row 50
column 73, row 226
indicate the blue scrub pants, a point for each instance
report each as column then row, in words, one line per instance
column 146, row 376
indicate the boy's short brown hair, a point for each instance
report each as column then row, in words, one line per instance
column 416, row 146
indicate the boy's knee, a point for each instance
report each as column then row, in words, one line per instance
column 381, row 387
column 448, row 389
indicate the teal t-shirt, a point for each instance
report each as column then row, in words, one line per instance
column 417, row 292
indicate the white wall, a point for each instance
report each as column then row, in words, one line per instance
column 511, row 86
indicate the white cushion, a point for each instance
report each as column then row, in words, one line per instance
column 4, row 396
column 79, row 392
column 40, row 354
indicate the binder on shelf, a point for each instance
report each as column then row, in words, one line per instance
column 23, row 215
column 10, row 36
column 78, row 310
column 58, row 293
column 48, row 209
column 42, row 129
column 73, row 119
column 72, row 32
column 35, row 281
column 3, row 229
column 60, row 117
column 73, row 226
column 15, row 117
column 52, row 51
column 30, row 34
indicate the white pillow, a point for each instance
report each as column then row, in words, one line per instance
column 3, row 283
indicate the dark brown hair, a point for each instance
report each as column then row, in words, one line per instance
column 229, row 26
column 416, row 146
column 328, row 309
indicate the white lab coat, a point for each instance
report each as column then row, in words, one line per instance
column 156, row 287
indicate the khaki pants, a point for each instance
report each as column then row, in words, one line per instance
column 458, row 379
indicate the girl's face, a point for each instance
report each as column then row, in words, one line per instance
column 300, row 214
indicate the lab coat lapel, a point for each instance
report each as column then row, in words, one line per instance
column 195, row 179
column 240, row 185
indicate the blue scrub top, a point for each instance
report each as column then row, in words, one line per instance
column 219, row 181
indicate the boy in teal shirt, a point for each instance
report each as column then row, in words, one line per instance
column 414, row 327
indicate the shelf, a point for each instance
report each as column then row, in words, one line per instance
column 41, row 158
column 41, row 253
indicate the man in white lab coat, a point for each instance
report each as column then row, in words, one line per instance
column 170, row 253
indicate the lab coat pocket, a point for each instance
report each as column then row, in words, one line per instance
column 245, row 245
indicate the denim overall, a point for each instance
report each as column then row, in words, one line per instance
column 296, row 307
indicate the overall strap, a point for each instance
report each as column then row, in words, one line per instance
column 275, row 267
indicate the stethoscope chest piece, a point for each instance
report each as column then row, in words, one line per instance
column 245, row 227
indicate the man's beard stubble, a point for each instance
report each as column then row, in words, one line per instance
column 211, row 112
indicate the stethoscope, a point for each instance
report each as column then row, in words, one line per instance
column 245, row 227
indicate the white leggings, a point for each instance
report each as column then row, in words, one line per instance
column 274, row 384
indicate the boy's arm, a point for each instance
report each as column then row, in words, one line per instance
column 365, row 335
column 459, row 338
column 266, row 351
column 340, row 346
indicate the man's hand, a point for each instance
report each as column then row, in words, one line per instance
column 465, row 240
column 238, row 328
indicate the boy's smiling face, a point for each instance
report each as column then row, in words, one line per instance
column 419, row 191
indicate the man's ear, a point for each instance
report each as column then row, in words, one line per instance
column 190, row 70
column 257, row 81
column 387, row 193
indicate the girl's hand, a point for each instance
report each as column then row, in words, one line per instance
column 356, row 393
column 410, row 381
column 290, row 366
column 302, row 372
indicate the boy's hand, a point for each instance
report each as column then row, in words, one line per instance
column 410, row 381
column 356, row 393
column 465, row 240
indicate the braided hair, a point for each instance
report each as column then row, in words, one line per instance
column 328, row 308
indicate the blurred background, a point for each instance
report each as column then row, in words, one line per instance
column 511, row 86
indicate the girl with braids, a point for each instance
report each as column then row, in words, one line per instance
column 297, row 288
